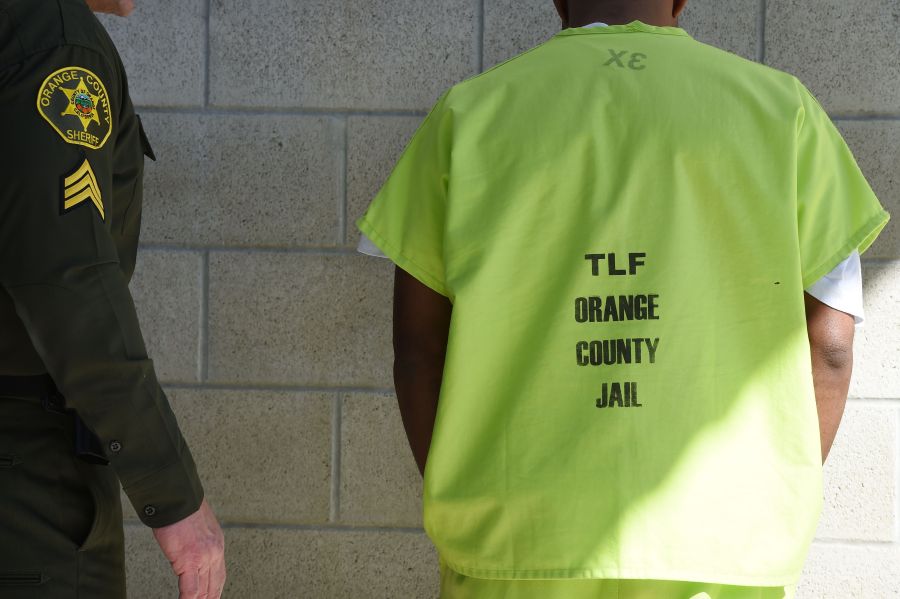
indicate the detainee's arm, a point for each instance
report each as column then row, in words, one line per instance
column 421, row 328
column 837, row 213
column 65, row 185
column 831, row 347
column 406, row 223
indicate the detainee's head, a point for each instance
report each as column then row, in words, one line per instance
column 576, row 13
column 122, row 8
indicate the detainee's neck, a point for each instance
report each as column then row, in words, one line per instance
column 579, row 16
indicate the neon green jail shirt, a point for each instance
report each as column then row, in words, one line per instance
column 625, row 220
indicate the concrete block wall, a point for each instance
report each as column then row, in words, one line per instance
column 275, row 122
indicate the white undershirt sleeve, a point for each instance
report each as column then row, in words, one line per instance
column 368, row 248
column 842, row 288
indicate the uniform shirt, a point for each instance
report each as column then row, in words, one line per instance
column 840, row 289
column 69, row 222
column 627, row 391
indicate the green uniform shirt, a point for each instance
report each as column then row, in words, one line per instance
column 70, row 210
column 625, row 220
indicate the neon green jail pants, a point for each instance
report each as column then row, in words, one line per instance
column 457, row 586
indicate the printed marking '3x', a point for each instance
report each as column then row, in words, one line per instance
column 635, row 60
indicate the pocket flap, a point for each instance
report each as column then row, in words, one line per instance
column 145, row 143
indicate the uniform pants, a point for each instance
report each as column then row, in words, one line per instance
column 457, row 586
column 60, row 518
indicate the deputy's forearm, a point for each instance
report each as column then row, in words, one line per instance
column 417, row 380
column 86, row 331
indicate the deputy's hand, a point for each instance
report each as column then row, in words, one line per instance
column 195, row 547
column 122, row 8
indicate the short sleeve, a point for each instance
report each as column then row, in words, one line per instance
column 837, row 211
column 406, row 219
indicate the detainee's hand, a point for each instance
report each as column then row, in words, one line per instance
column 122, row 8
column 195, row 547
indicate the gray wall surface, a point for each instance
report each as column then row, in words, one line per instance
column 275, row 122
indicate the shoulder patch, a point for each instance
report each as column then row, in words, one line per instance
column 75, row 103
column 79, row 187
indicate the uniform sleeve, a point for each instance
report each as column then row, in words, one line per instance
column 837, row 211
column 406, row 219
column 63, row 189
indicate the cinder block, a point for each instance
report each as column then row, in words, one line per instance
column 147, row 572
column 263, row 457
column 269, row 180
column 860, row 490
column 332, row 564
column 162, row 47
column 167, row 294
column 845, row 52
column 380, row 483
column 876, row 145
column 300, row 319
column 374, row 146
column 839, row 571
column 728, row 24
column 876, row 370
column 513, row 26
column 342, row 54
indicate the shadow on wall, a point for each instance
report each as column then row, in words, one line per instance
column 876, row 372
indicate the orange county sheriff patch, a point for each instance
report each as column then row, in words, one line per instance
column 79, row 187
column 75, row 103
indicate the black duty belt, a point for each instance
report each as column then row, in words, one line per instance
column 30, row 387
column 41, row 388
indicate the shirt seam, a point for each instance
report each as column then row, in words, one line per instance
column 508, row 60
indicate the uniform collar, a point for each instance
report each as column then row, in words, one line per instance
column 633, row 27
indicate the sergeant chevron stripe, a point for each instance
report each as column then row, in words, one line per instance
column 80, row 187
